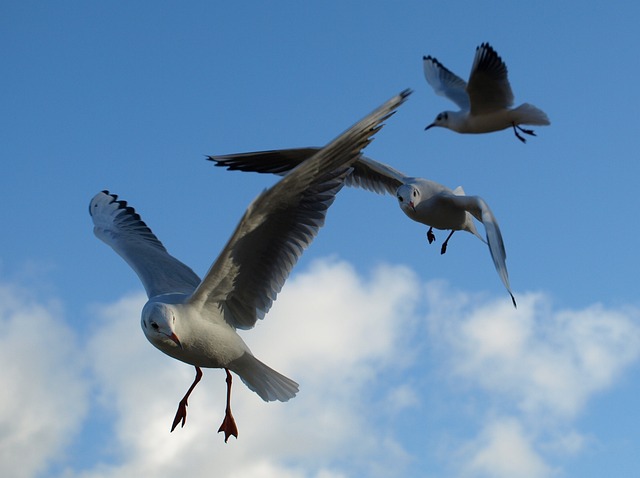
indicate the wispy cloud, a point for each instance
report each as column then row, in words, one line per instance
column 536, row 368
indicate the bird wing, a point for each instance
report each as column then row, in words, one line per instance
column 119, row 226
column 277, row 161
column 446, row 83
column 459, row 191
column 489, row 89
column 376, row 176
column 280, row 223
column 367, row 173
column 481, row 211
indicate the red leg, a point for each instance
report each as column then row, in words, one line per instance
column 444, row 244
column 228, row 424
column 181, row 414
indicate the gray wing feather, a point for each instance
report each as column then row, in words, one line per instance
column 119, row 226
column 280, row 223
column 445, row 83
column 476, row 206
column 489, row 88
column 366, row 174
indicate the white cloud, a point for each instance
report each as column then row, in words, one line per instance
column 516, row 381
column 536, row 368
column 331, row 330
column 43, row 397
column 546, row 361
column 503, row 450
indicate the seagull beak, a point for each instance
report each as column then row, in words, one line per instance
column 174, row 337
column 430, row 126
column 412, row 206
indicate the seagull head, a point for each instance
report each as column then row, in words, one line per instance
column 408, row 197
column 441, row 120
column 158, row 324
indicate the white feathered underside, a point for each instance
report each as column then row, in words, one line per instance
column 119, row 226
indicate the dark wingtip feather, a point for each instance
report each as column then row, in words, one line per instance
column 131, row 215
column 435, row 61
column 490, row 58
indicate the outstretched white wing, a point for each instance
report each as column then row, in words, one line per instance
column 118, row 225
column 445, row 83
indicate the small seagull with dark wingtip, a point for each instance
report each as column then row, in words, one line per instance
column 422, row 200
column 485, row 101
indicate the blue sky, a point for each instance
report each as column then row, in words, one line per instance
column 410, row 363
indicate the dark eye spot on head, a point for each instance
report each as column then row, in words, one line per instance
column 400, row 199
column 154, row 326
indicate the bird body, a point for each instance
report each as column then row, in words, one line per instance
column 485, row 102
column 212, row 343
column 422, row 200
column 434, row 207
column 195, row 320
column 463, row 122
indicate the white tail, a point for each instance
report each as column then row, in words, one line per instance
column 529, row 114
column 263, row 380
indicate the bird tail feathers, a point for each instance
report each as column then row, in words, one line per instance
column 529, row 114
column 262, row 379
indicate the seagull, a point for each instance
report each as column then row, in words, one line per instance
column 195, row 321
column 485, row 102
column 424, row 201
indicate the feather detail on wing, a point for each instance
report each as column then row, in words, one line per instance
column 489, row 88
column 445, row 83
column 119, row 226
column 366, row 174
column 280, row 223
column 476, row 206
